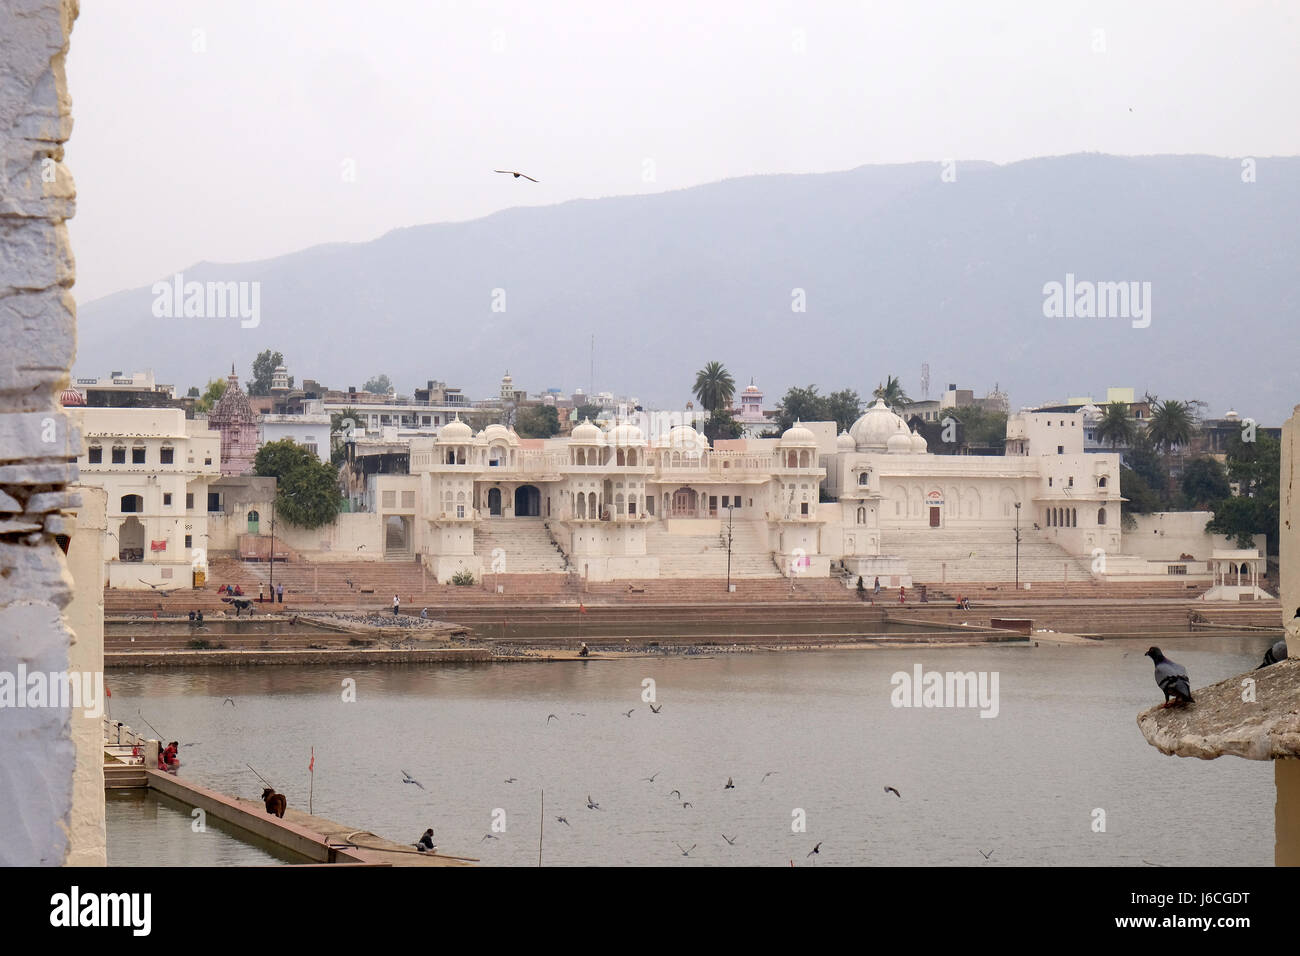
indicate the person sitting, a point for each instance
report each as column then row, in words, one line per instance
column 426, row 844
column 198, row 616
column 582, row 651
column 167, row 759
column 239, row 592
column 191, row 616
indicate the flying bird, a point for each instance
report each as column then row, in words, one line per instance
column 729, row 785
column 985, row 855
column 562, row 820
column 655, row 710
column 628, row 713
column 511, row 779
column 1171, row 678
column 1274, row 654
column 591, row 804
column 230, row 701
column 687, row 805
column 551, row 717
column 815, row 850
column 731, row 841
column 511, row 172
column 678, row 792
column 894, row 792
column 407, row 778
column 651, row 778
column 685, row 852
column 575, row 714
column 488, row 836
column 768, row 774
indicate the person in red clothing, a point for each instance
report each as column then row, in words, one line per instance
column 902, row 595
column 167, row 759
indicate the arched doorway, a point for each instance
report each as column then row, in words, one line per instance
column 494, row 502
column 397, row 536
column 685, row 503
column 254, row 521
column 528, row 502
column 130, row 540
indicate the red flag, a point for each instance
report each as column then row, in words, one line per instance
column 311, row 767
column 107, row 692
column 581, row 608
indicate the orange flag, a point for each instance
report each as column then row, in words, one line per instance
column 311, row 767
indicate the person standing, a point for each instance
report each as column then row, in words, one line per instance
column 279, row 592
column 397, row 605
column 260, row 588
column 902, row 595
column 876, row 590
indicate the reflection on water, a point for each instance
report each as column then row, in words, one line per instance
column 146, row 828
column 1025, row 784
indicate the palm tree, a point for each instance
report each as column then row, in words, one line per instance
column 1172, row 424
column 714, row 387
column 344, row 424
column 1116, row 427
column 892, row 393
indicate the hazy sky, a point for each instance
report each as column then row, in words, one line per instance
column 226, row 130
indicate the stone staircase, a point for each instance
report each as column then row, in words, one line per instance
column 525, row 544
column 940, row 557
column 705, row 555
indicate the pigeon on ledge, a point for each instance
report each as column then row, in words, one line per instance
column 1171, row 678
column 1274, row 654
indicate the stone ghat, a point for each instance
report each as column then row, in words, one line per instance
column 260, row 657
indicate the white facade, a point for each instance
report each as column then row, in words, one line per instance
column 155, row 467
column 310, row 431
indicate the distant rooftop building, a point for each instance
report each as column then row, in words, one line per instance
column 118, row 390
column 235, row 419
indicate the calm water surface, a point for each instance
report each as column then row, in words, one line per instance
column 1024, row 784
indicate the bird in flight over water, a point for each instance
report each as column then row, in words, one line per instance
column 407, row 778
column 894, row 792
column 511, row 172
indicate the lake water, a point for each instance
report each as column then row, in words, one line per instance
column 1026, row 784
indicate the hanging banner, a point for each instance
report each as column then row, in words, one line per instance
column 157, row 545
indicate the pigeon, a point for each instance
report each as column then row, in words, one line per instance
column 562, row 820
column 768, row 774
column 591, row 804
column 550, row 717
column 687, row 805
column 655, row 710
column 731, row 841
column 729, row 785
column 985, row 855
column 678, row 792
column 651, row 778
column 487, row 836
column 511, row 172
column 1274, row 654
column 511, row 779
column 894, row 792
column 685, row 852
column 815, row 850
column 230, row 701
column 1171, row 678
column 407, row 778
column 628, row 713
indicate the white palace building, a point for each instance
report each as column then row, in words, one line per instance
column 615, row 504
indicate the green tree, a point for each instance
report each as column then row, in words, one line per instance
column 1204, row 483
column 379, row 385
column 307, row 491
column 1256, row 468
column 1142, row 498
column 1143, row 459
column 1172, row 424
column 263, row 369
column 981, row 428
column 537, row 421
column 714, row 387
column 211, row 395
column 892, row 392
column 801, row 404
column 586, row 411
column 722, row 424
column 844, row 407
column 193, row 392
column 1116, row 426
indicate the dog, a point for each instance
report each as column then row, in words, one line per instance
column 276, row 804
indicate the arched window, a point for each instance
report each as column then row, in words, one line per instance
column 862, row 515
column 132, row 504
column 1101, row 516
column 862, row 478
column 253, row 520
column 1101, row 482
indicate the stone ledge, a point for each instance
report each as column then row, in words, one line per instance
column 1221, row 723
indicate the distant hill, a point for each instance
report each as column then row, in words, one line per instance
column 898, row 267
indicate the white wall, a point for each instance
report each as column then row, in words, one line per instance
column 1165, row 535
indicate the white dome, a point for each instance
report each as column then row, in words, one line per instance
column 684, row 438
column 900, row 444
column 455, row 431
column 586, row 433
column 845, row 442
column 499, row 431
column 624, row 434
column 919, row 445
column 1231, row 415
column 877, row 425
column 798, row 435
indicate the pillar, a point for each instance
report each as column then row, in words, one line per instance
column 38, row 327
